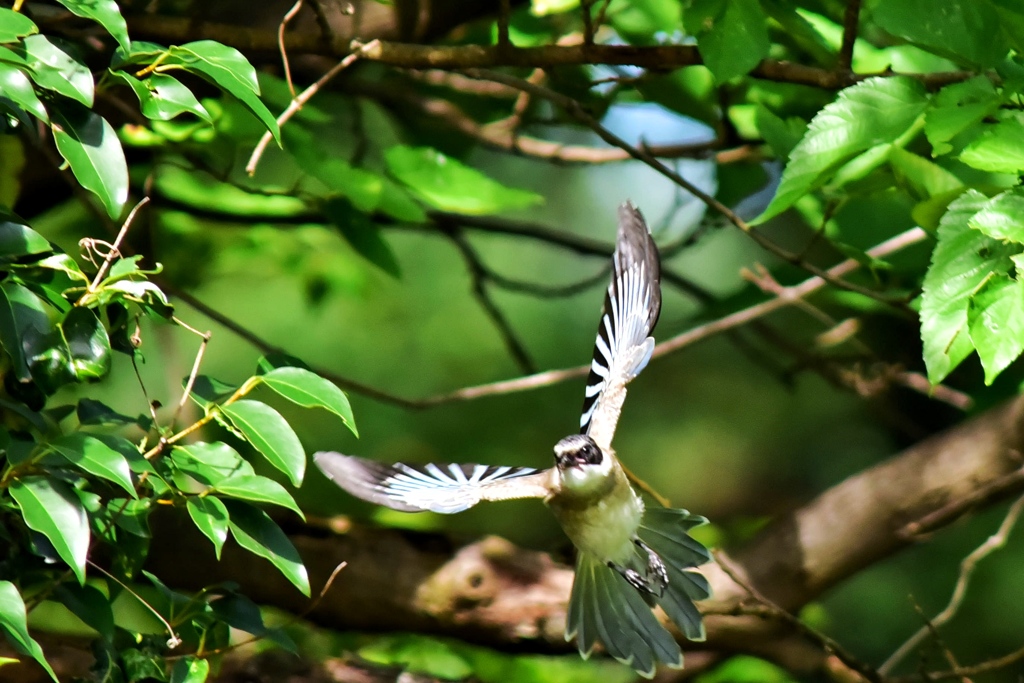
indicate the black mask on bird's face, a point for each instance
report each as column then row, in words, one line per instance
column 577, row 450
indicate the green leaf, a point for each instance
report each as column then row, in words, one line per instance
column 869, row 114
column 131, row 515
column 956, row 108
column 449, row 185
column 14, row 623
column 16, row 88
column 56, row 67
column 105, row 13
column 781, row 135
column 720, row 26
column 257, row 489
column 190, row 670
column 17, row 239
column 210, row 517
column 228, row 69
column 923, row 178
column 963, row 259
column 1003, row 216
column 360, row 232
column 270, row 433
column 21, row 313
column 162, row 97
column 90, row 146
column 996, row 322
column 209, row 463
column 14, row 25
column 51, row 507
column 239, row 612
column 90, row 605
column 95, row 457
column 257, row 533
column 86, row 345
column 966, row 31
column 1000, row 148
column 310, row 390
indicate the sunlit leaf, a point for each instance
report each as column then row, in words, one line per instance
column 228, row 69
column 55, row 66
column 257, row 533
column 91, row 147
column 956, row 108
column 85, row 345
column 1000, row 148
column 865, row 116
column 162, row 97
column 966, row 31
column 309, row 390
column 190, row 670
column 1003, row 217
column 996, row 322
column 14, row 25
column 257, row 489
column 50, row 507
column 271, row 434
column 105, row 13
column 211, row 518
column 14, row 624
column 961, row 262
column 95, row 457
column 450, row 185
column 209, row 463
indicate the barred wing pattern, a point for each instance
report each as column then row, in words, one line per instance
column 439, row 488
column 624, row 344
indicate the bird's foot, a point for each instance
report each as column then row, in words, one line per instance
column 656, row 571
column 635, row 579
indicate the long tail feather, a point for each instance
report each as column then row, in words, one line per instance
column 665, row 531
column 605, row 609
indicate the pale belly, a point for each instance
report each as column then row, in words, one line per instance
column 606, row 528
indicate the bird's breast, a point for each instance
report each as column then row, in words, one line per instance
column 603, row 526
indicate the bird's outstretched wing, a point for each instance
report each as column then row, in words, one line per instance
column 439, row 488
column 624, row 344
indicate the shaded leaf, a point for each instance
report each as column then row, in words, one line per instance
column 211, row 518
column 360, row 232
column 190, row 670
column 239, row 612
column 257, row 533
column 90, row 605
column 95, row 457
column 90, row 146
column 105, row 13
column 720, row 27
column 956, row 108
column 270, row 434
column 86, row 345
column 865, row 116
column 966, row 31
column 14, row 623
column 309, row 390
column 448, row 184
column 56, row 66
column 51, row 507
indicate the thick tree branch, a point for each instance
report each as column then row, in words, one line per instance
column 494, row 593
column 254, row 41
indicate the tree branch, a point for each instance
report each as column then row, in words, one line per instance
column 494, row 593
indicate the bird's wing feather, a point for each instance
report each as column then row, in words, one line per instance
column 439, row 488
column 624, row 344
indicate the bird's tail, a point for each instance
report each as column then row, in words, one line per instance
column 666, row 532
column 604, row 608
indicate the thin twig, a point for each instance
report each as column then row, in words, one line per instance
column 851, row 18
column 300, row 101
column 281, row 46
column 114, row 251
column 172, row 642
column 478, row 272
column 205, row 336
column 828, row 644
column 967, row 567
column 973, row 670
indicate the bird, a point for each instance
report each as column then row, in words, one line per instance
column 630, row 557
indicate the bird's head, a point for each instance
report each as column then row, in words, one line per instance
column 583, row 466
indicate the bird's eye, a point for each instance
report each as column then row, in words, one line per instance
column 591, row 454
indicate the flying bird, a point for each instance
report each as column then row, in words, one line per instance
column 630, row 558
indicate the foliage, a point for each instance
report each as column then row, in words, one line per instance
column 914, row 123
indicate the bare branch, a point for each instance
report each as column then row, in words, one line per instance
column 967, row 567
